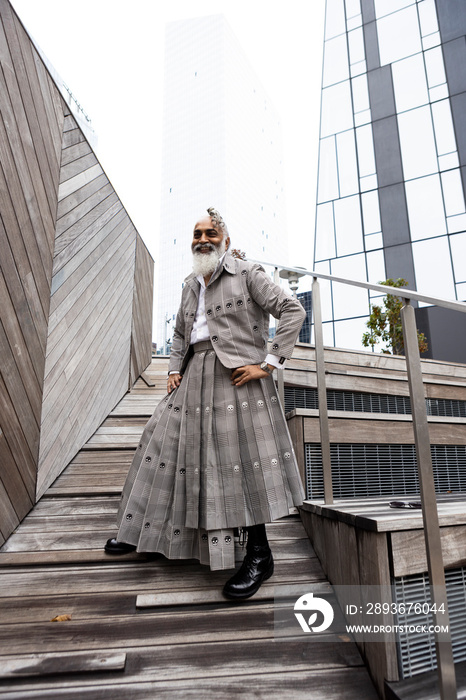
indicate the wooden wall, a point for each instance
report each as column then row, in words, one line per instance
column 141, row 343
column 73, row 273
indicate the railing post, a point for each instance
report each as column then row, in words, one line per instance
column 280, row 370
column 446, row 668
column 322, row 391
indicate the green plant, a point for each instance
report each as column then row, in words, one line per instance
column 384, row 324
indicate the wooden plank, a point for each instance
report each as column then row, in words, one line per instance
column 78, row 181
column 15, row 485
column 137, row 409
column 71, row 137
column 88, row 226
column 63, row 556
column 65, row 539
column 75, row 370
column 374, row 571
column 18, row 226
column 296, row 655
column 84, row 319
column 94, row 401
column 28, row 367
column 76, row 167
column 75, row 206
column 54, row 122
column 13, row 558
column 141, row 346
column 27, row 102
column 296, row 428
column 375, row 514
column 76, row 473
column 77, row 151
column 167, row 627
column 65, row 281
column 25, row 408
column 70, row 523
column 17, row 441
column 203, row 597
column 101, row 490
column 383, row 430
column 409, row 550
column 98, row 459
column 32, row 609
column 69, row 123
column 123, row 575
column 88, row 285
column 10, row 518
column 113, row 424
column 425, row 686
column 115, row 441
column 89, row 478
column 365, row 359
column 96, row 408
column 30, row 314
column 41, row 101
column 74, row 506
column 57, row 664
column 385, row 371
column 348, row 683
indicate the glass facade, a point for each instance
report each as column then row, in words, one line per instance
column 306, row 300
column 391, row 185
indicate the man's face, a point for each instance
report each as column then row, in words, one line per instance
column 206, row 235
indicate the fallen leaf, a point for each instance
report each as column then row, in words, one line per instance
column 61, row 618
column 344, row 638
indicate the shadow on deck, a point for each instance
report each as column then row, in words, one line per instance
column 188, row 642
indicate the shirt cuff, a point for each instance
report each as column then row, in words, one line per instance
column 273, row 360
column 174, row 371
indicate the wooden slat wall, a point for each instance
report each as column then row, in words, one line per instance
column 73, row 272
column 141, row 344
column 31, row 123
column 89, row 334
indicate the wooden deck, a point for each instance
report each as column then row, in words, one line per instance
column 145, row 627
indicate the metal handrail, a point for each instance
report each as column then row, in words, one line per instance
column 444, row 651
column 403, row 292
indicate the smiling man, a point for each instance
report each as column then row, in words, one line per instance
column 216, row 454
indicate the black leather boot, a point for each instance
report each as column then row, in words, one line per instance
column 256, row 567
column 113, row 546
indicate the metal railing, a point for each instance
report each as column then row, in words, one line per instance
column 443, row 646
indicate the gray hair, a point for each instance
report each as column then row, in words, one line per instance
column 218, row 220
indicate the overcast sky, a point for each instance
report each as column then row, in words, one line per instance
column 110, row 55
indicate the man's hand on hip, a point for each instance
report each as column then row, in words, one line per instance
column 173, row 381
column 243, row 375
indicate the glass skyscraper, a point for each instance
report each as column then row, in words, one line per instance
column 391, row 186
column 222, row 147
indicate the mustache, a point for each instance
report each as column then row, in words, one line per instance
column 202, row 246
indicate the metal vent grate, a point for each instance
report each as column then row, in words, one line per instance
column 416, row 654
column 367, row 403
column 300, row 397
column 360, row 470
column 305, row 397
column 446, row 407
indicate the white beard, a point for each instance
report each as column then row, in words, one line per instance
column 205, row 263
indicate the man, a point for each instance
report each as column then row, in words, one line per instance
column 216, row 454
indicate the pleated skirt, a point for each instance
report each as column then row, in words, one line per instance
column 213, row 457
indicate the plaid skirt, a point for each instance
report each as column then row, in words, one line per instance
column 212, row 457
